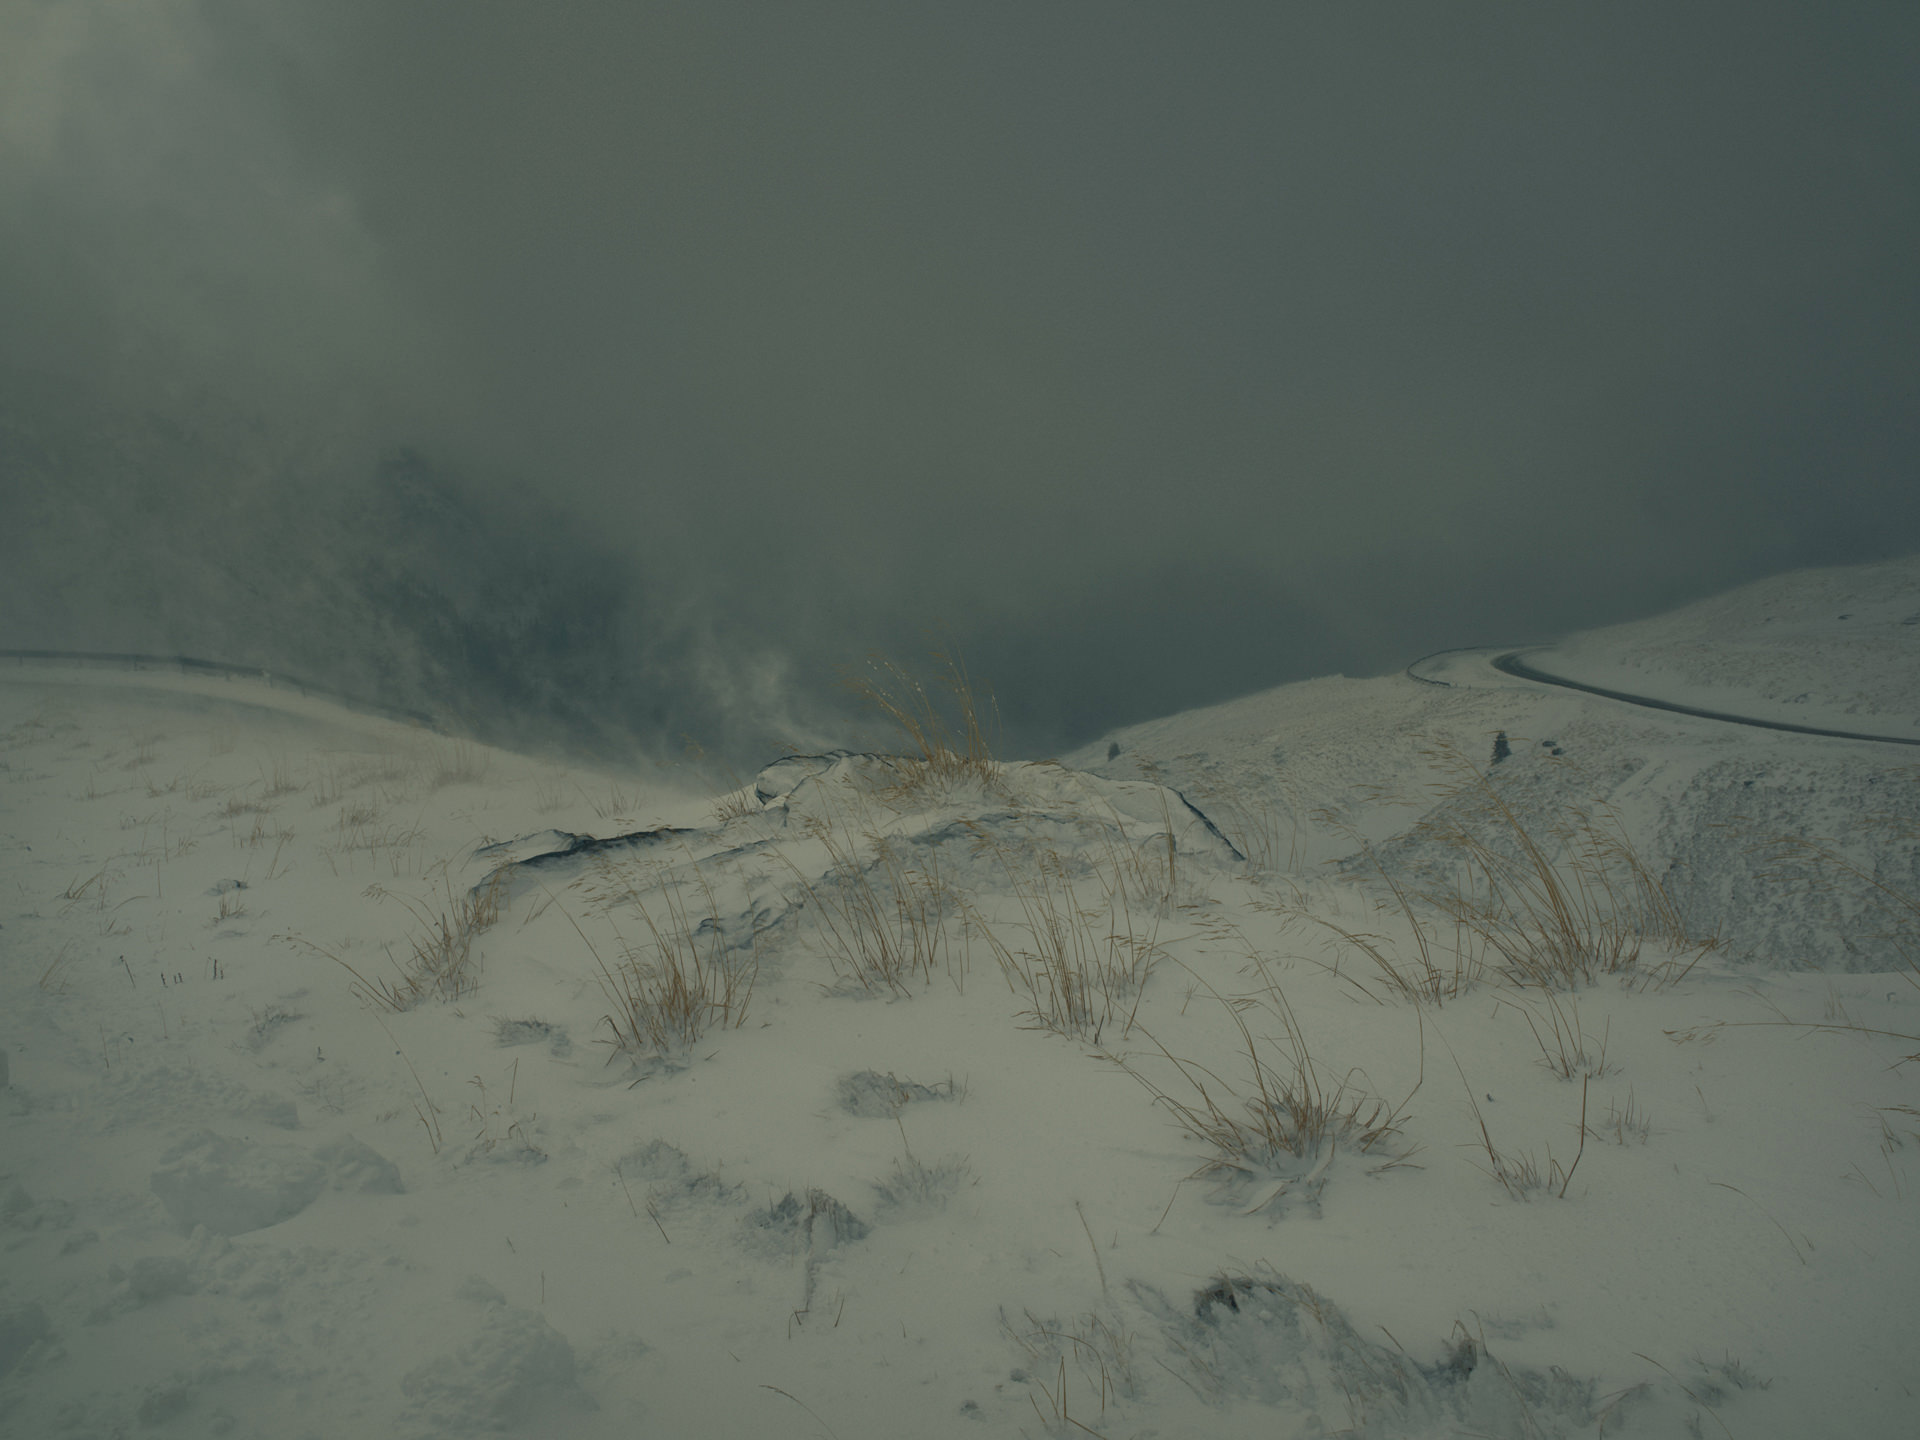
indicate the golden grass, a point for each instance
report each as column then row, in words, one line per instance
column 1285, row 1122
column 1085, row 966
column 78, row 890
column 458, row 763
column 279, row 780
column 1146, row 873
column 617, row 805
column 1553, row 907
column 338, row 776
column 1425, row 979
column 1101, row 1350
column 53, row 979
column 737, row 804
column 1519, row 1172
column 882, row 904
column 1565, row 1047
column 1557, row 909
column 400, row 848
column 1254, row 827
column 944, row 752
column 441, row 964
column 681, row 981
column 1625, row 1124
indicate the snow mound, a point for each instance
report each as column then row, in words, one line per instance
column 509, row 1377
column 232, row 1186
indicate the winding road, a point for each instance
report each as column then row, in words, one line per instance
column 1511, row 664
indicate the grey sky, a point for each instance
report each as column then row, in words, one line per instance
column 1157, row 352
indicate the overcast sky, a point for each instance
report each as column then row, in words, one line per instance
column 679, row 354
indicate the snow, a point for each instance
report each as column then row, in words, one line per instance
column 1831, row 649
column 906, row 1184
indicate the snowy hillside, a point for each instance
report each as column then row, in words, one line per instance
column 1835, row 649
column 1437, row 1054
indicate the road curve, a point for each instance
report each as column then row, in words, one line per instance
column 1511, row 664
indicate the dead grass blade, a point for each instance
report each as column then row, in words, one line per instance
column 684, row 980
column 1288, row 1124
column 944, row 752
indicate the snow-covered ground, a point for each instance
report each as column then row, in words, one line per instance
column 332, row 1107
column 1830, row 649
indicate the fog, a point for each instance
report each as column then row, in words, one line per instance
column 612, row 375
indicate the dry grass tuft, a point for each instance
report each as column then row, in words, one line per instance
column 1254, row 826
column 1625, row 1124
column 1146, row 872
column 53, row 979
column 1431, row 979
column 882, row 904
column 618, row 805
column 441, row 964
column 1100, row 1350
column 1520, row 1173
column 681, row 981
column 1086, row 965
column 737, row 804
column 78, row 890
column 460, row 763
column 336, row 777
column 1565, row 1048
column 398, row 847
column 945, row 753
column 913, row 1187
column 1280, row 1133
column 279, row 780
column 1553, row 908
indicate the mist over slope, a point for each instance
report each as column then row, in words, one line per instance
column 372, row 572
column 381, row 572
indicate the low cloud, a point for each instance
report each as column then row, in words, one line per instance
column 1149, row 357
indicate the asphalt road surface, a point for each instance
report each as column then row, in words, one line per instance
column 1512, row 664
